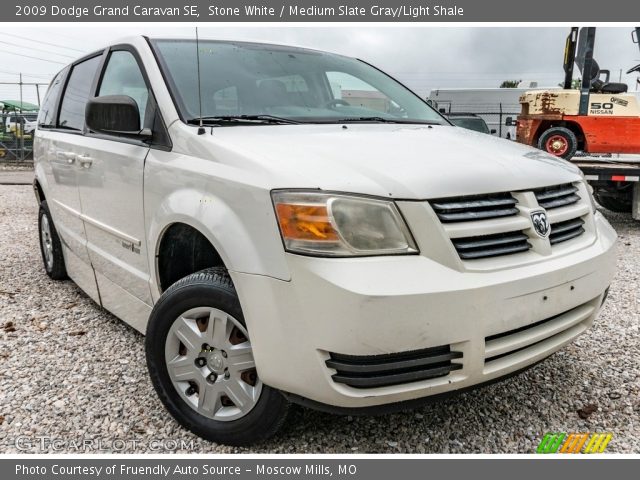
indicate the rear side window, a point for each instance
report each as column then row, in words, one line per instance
column 77, row 94
column 123, row 77
column 47, row 115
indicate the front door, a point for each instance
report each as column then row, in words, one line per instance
column 111, row 192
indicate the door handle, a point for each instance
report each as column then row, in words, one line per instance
column 85, row 160
column 70, row 157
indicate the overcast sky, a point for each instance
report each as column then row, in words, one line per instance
column 421, row 57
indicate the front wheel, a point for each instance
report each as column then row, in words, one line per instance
column 559, row 141
column 201, row 363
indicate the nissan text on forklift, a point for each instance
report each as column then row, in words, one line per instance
column 601, row 120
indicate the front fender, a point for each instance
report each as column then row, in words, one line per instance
column 243, row 232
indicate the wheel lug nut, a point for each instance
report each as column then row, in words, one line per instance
column 201, row 362
column 226, row 374
column 212, row 377
column 224, row 354
column 190, row 391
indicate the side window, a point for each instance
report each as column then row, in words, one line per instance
column 76, row 94
column 122, row 76
column 47, row 114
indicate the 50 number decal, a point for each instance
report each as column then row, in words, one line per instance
column 602, row 106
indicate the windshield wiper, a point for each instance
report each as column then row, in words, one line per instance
column 385, row 120
column 252, row 119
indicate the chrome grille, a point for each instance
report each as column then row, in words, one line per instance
column 498, row 224
column 476, row 207
column 557, row 196
column 491, row 245
column 563, row 231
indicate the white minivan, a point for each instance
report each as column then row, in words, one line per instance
column 288, row 225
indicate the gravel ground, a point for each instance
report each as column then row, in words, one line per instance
column 69, row 370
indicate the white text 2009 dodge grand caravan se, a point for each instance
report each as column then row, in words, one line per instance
column 298, row 226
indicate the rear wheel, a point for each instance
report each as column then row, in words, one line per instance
column 201, row 363
column 559, row 141
column 50, row 246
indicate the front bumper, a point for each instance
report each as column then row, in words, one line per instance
column 377, row 306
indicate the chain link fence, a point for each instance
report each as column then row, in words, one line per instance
column 16, row 137
column 19, row 103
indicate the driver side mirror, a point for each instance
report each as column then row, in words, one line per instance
column 509, row 122
column 116, row 115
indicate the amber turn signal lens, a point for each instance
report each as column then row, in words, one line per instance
column 305, row 222
column 340, row 225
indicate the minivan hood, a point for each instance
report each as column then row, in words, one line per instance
column 391, row 160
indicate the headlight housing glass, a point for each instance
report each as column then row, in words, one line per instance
column 341, row 225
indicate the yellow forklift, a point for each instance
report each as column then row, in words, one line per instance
column 601, row 120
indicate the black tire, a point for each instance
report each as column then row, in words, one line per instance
column 211, row 287
column 566, row 134
column 619, row 204
column 55, row 269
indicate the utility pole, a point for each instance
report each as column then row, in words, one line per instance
column 20, row 124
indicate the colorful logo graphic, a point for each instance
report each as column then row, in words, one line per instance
column 574, row 443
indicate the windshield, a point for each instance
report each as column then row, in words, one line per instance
column 249, row 80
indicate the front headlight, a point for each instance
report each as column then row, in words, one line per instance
column 338, row 225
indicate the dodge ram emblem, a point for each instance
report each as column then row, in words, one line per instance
column 541, row 224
